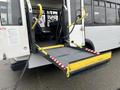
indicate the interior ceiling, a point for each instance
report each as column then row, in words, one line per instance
column 48, row 3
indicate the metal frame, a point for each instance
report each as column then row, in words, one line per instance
column 29, row 24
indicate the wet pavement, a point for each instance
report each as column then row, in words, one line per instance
column 103, row 77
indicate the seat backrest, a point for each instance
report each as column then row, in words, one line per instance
column 38, row 28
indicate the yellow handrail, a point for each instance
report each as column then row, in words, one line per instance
column 80, row 18
column 40, row 15
column 42, row 50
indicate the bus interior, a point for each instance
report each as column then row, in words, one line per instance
column 49, row 30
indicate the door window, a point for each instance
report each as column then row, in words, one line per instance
column 75, row 10
column 99, row 12
column 111, row 14
column 118, row 13
column 88, row 8
column 10, row 12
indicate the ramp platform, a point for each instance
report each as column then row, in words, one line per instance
column 69, row 59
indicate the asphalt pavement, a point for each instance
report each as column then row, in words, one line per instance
column 103, row 77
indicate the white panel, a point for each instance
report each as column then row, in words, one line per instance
column 77, row 36
column 14, row 38
column 104, row 37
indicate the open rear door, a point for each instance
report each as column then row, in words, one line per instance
column 76, row 22
column 13, row 29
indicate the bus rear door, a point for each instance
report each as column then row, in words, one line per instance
column 76, row 19
column 13, row 29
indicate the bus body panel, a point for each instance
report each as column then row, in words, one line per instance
column 13, row 31
column 103, row 37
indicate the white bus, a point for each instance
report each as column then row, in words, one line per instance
column 102, row 26
column 55, row 35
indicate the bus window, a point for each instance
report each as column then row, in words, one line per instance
column 118, row 13
column 10, row 12
column 108, row 5
column 75, row 10
column 88, row 8
column 96, row 3
column 112, row 5
column 101, row 3
column 3, row 18
column 99, row 12
column 87, row 2
column 111, row 14
column 3, row 12
column 52, row 17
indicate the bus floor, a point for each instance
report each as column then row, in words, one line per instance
column 46, row 43
column 103, row 77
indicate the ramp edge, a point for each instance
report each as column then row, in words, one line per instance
column 87, row 63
